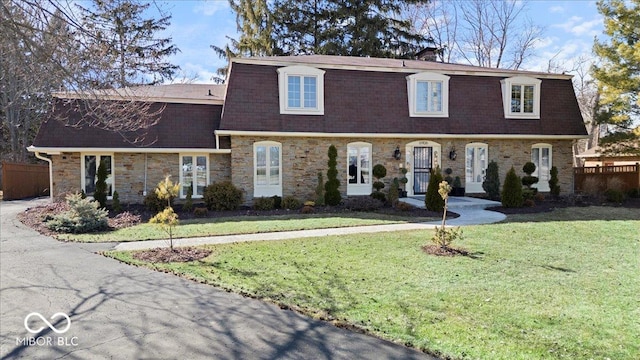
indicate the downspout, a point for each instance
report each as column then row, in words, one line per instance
column 144, row 191
column 37, row 154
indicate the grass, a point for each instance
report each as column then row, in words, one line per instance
column 243, row 225
column 529, row 290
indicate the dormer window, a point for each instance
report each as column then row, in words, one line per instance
column 301, row 90
column 428, row 95
column 521, row 96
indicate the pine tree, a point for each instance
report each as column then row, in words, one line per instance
column 129, row 43
column 332, row 193
column 618, row 75
column 512, row 190
column 491, row 183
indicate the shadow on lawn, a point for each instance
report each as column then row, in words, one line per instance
column 581, row 213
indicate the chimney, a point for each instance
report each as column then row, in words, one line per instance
column 427, row 54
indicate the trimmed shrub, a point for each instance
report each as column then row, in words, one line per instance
column 222, row 196
column 100, row 193
column 379, row 172
column 153, row 203
column 200, row 212
column 529, row 203
column 539, row 197
column 529, row 180
column 491, row 183
column 362, row 203
column 432, row 200
column 554, row 188
column 379, row 195
column 307, row 210
column 115, row 205
column 188, row 202
column 291, row 203
column 332, row 193
column 84, row 216
column 394, row 192
column 512, row 190
column 277, row 201
column 403, row 206
column 614, row 195
column 320, row 190
column 309, row 203
column 263, row 203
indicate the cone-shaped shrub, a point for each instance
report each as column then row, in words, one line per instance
column 491, row 183
column 332, row 193
column 432, row 200
column 100, row 194
column 554, row 188
column 512, row 190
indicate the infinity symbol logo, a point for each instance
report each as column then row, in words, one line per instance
column 59, row 314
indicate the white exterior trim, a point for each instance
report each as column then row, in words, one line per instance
column 150, row 99
column 409, row 160
column 366, row 188
column 542, row 185
column 267, row 190
column 506, row 96
column 98, row 155
column 494, row 73
column 474, row 187
column 183, row 195
column 412, row 86
column 60, row 150
column 301, row 71
column 397, row 136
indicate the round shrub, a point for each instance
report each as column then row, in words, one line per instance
column 153, row 203
column 379, row 196
column 291, row 203
column 222, row 196
column 512, row 190
column 614, row 195
column 307, row 210
column 84, row 216
column 379, row 171
column 529, row 168
column 264, row 203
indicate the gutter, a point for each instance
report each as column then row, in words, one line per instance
column 37, row 154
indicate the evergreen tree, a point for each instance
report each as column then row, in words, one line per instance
column 491, row 183
column 512, row 190
column 618, row 75
column 332, row 193
column 432, row 199
column 554, row 188
column 100, row 193
column 129, row 43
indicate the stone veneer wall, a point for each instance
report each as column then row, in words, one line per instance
column 303, row 158
column 129, row 173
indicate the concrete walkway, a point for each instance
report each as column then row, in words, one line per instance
column 471, row 210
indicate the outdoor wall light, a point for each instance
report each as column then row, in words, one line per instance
column 452, row 154
column 396, row 153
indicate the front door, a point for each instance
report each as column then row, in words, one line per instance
column 422, row 162
column 476, row 167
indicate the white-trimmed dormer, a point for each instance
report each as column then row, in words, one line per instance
column 301, row 90
column 428, row 94
column 521, row 97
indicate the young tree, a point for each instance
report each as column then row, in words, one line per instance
column 432, row 199
column 167, row 219
column 491, row 183
column 618, row 76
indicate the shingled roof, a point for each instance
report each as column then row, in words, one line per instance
column 366, row 95
column 170, row 93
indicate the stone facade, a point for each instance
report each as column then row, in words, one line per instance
column 303, row 158
column 129, row 172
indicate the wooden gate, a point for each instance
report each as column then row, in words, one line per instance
column 21, row 181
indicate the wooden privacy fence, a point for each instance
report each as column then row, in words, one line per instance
column 597, row 179
column 21, row 181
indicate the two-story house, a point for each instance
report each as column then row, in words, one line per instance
column 269, row 128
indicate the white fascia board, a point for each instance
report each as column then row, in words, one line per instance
column 59, row 150
column 496, row 73
column 396, row 136
column 171, row 100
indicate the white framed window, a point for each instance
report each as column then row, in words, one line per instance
column 89, row 167
column 542, row 157
column 428, row 95
column 194, row 171
column 267, row 169
column 301, row 90
column 359, row 168
column 476, row 162
column 521, row 97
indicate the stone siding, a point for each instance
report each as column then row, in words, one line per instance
column 129, row 173
column 303, row 158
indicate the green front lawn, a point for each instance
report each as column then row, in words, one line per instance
column 244, row 225
column 529, row 290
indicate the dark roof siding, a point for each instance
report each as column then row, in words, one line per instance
column 376, row 102
column 180, row 126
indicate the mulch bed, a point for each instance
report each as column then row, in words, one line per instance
column 444, row 251
column 166, row 255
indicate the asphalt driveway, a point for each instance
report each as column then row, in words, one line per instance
column 123, row 312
